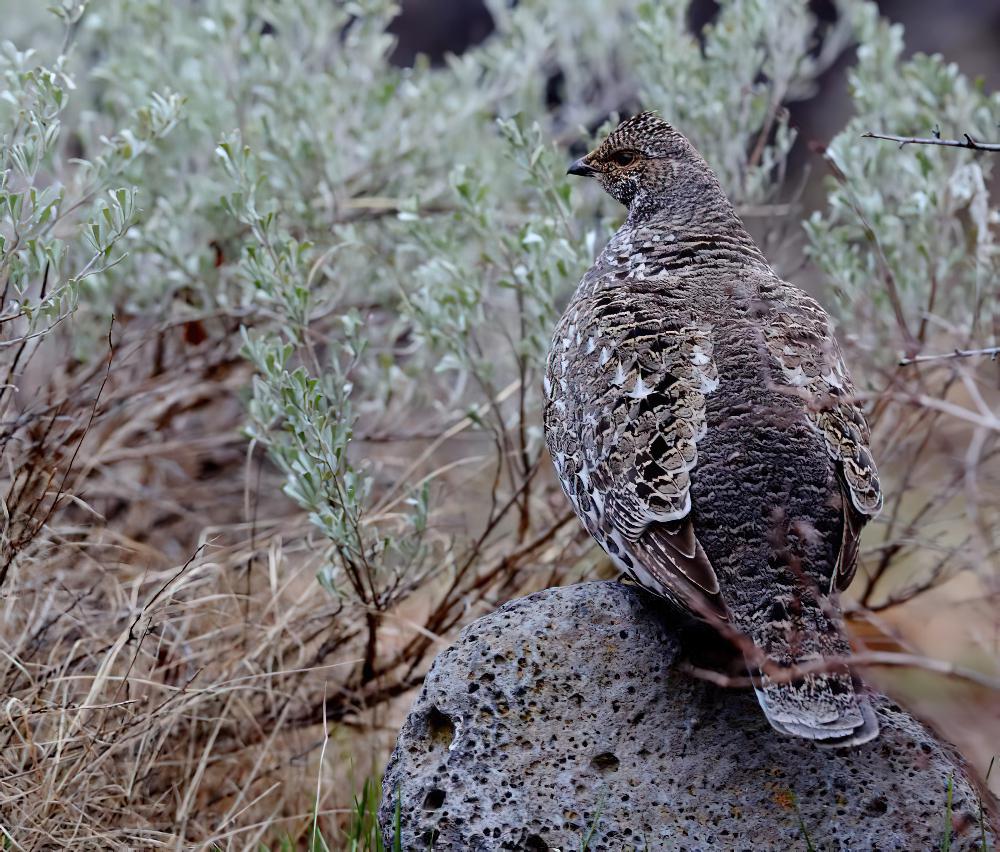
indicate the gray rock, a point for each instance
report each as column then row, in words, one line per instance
column 564, row 714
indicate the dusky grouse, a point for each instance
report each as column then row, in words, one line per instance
column 702, row 423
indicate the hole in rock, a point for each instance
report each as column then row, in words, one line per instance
column 440, row 728
column 434, row 799
column 606, row 761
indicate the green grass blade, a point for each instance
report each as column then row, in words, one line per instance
column 946, row 839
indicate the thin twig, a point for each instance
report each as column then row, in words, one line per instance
column 968, row 142
column 992, row 351
column 866, row 658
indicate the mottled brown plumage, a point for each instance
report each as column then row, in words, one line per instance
column 702, row 423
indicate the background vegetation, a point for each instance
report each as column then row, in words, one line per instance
column 273, row 315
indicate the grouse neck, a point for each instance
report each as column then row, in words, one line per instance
column 699, row 202
column 721, row 227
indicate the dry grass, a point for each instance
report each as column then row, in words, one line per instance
column 166, row 655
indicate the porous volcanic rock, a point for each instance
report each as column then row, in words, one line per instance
column 565, row 715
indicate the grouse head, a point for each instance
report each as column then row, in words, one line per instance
column 648, row 166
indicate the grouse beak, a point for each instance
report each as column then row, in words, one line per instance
column 582, row 168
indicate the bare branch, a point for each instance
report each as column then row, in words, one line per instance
column 968, row 142
column 865, row 658
column 992, row 351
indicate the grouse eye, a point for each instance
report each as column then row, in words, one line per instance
column 624, row 158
